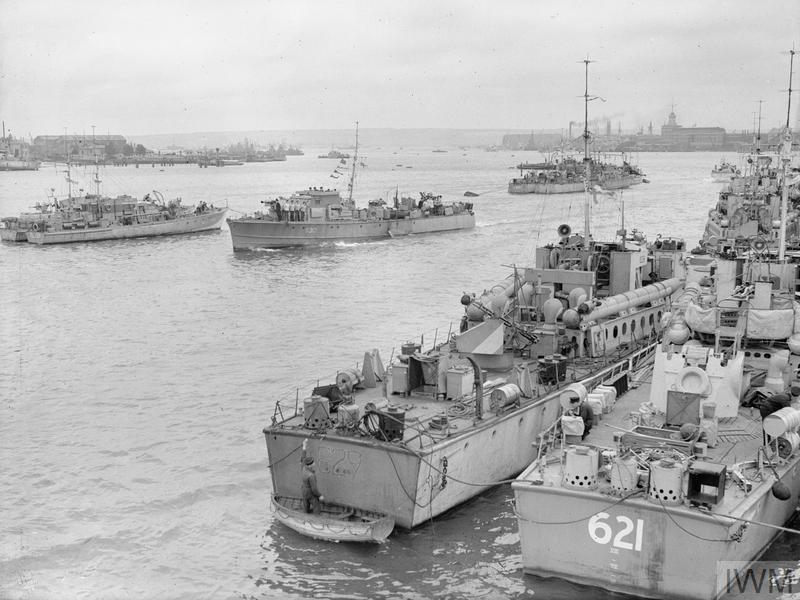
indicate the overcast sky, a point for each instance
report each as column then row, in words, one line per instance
column 145, row 66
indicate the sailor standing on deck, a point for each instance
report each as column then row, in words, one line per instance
column 310, row 492
column 582, row 410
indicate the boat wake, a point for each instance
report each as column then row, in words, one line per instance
column 342, row 244
column 499, row 222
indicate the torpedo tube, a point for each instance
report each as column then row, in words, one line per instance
column 616, row 304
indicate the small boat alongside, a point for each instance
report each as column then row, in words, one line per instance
column 333, row 522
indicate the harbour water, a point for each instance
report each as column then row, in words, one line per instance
column 136, row 376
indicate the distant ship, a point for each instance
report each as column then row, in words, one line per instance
column 291, row 150
column 724, row 171
column 566, row 175
column 334, row 154
column 219, row 162
column 93, row 217
column 747, row 214
column 15, row 154
column 319, row 215
column 13, row 164
column 272, row 154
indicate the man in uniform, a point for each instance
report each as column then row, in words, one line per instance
column 310, row 492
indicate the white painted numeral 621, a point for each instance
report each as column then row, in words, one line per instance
column 601, row 532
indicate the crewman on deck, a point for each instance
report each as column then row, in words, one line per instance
column 310, row 492
column 582, row 410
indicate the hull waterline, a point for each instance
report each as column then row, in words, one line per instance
column 190, row 224
column 248, row 234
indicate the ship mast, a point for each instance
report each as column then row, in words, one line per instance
column 789, row 103
column 587, row 208
column 758, row 134
column 353, row 172
column 69, row 175
column 786, row 151
column 96, row 175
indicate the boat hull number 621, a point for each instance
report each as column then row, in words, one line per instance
column 626, row 535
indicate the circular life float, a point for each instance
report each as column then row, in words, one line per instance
column 693, row 380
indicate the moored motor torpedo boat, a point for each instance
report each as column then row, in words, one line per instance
column 440, row 425
column 685, row 479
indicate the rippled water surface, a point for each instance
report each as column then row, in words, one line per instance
column 136, row 376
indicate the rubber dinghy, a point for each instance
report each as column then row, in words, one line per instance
column 334, row 522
